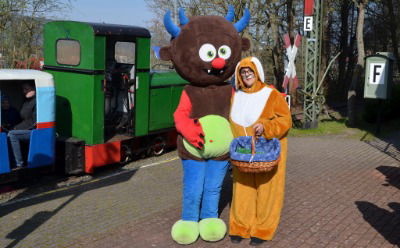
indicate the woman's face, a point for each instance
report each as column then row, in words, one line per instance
column 248, row 76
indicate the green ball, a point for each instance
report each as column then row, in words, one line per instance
column 218, row 137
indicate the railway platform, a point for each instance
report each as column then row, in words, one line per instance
column 340, row 192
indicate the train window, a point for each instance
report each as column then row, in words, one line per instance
column 68, row 52
column 125, row 52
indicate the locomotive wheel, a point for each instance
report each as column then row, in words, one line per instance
column 126, row 154
column 158, row 146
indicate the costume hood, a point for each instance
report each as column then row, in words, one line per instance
column 255, row 65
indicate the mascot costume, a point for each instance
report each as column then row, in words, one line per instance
column 205, row 51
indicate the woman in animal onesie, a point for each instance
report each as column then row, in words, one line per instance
column 260, row 110
column 204, row 51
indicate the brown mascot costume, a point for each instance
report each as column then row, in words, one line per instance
column 205, row 51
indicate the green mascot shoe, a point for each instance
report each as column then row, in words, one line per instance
column 212, row 229
column 185, row 232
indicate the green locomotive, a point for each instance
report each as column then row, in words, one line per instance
column 110, row 105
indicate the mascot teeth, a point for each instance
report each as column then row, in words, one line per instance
column 213, row 72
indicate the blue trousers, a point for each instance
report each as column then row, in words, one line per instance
column 15, row 137
column 202, row 182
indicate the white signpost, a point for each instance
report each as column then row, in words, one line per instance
column 308, row 23
column 376, row 73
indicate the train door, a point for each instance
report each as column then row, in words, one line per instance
column 119, row 88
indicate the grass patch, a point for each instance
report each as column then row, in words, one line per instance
column 324, row 128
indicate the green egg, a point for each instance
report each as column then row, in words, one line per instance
column 218, row 137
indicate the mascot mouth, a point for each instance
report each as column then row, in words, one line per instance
column 215, row 72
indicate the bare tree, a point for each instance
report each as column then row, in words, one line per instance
column 8, row 8
column 393, row 31
column 352, row 92
column 272, row 12
column 21, row 23
column 326, row 52
column 344, row 45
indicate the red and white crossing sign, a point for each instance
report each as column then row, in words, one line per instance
column 291, row 51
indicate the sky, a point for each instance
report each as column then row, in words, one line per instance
column 127, row 12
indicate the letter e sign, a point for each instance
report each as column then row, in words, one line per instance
column 308, row 23
column 376, row 73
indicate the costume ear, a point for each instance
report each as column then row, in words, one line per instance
column 165, row 53
column 245, row 44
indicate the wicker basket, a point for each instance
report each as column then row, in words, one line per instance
column 255, row 167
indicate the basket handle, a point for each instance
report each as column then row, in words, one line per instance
column 253, row 145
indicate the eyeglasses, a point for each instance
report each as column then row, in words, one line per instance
column 248, row 72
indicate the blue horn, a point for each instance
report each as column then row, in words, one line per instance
column 243, row 22
column 171, row 27
column 230, row 16
column 182, row 17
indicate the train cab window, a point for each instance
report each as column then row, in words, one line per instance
column 68, row 52
column 125, row 52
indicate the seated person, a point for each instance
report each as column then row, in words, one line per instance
column 9, row 115
column 22, row 131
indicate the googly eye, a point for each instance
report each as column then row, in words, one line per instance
column 207, row 52
column 224, row 52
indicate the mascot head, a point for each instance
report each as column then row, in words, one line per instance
column 205, row 49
